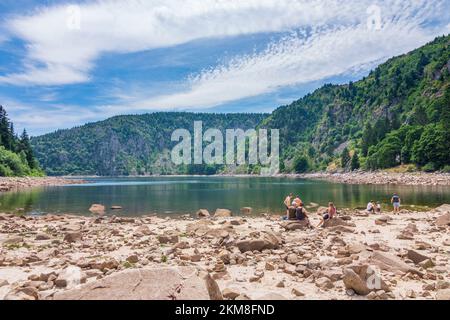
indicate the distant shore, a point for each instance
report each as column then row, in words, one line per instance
column 357, row 177
column 382, row 177
column 18, row 183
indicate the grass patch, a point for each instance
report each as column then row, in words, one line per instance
column 128, row 265
column 403, row 168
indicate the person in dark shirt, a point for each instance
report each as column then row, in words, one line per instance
column 395, row 200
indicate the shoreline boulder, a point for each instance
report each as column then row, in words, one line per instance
column 246, row 210
column 267, row 240
column 203, row 213
column 180, row 283
column 97, row 209
column 295, row 225
column 223, row 213
column 443, row 220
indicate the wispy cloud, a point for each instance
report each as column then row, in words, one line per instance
column 326, row 39
column 61, row 53
column 39, row 119
column 300, row 58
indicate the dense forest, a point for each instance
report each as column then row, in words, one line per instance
column 130, row 145
column 397, row 115
column 16, row 154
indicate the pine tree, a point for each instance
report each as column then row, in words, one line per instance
column 420, row 116
column 382, row 127
column 355, row 165
column 6, row 131
column 395, row 122
column 25, row 146
column 368, row 139
column 345, row 158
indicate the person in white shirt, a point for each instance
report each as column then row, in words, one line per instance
column 370, row 207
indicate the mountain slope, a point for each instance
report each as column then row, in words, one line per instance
column 128, row 145
column 406, row 92
column 398, row 114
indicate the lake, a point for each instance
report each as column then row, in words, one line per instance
column 181, row 195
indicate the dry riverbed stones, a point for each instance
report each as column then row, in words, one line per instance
column 221, row 256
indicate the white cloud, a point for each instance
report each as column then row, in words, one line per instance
column 59, row 54
column 338, row 44
column 302, row 59
column 39, row 119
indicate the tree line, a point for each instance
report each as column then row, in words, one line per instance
column 16, row 153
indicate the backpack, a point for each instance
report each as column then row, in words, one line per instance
column 299, row 214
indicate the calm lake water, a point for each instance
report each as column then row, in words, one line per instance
column 181, row 195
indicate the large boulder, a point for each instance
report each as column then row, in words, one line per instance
column 144, row 230
column 443, row 208
column 203, row 213
column 443, row 294
column 73, row 236
column 443, row 220
column 363, row 279
column 267, row 240
column 199, row 228
column 177, row 283
column 246, row 210
column 353, row 281
column 389, row 262
column 223, row 213
column 416, row 257
column 12, row 240
column 97, row 209
column 295, row 225
column 337, row 222
column 169, row 237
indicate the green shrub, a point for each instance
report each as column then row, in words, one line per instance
column 432, row 147
column 301, row 164
column 13, row 162
column 5, row 171
column 429, row 167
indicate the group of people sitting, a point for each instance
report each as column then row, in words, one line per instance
column 296, row 210
column 373, row 207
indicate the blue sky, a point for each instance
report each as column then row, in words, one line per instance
column 63, row 64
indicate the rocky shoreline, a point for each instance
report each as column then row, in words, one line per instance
column 18, row 183
column 225, row 257
column 381, row 177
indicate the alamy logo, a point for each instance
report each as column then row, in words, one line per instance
column 190, row 149
column 374, row 278
column 73, row 17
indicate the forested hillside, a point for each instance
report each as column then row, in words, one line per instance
column 398, row 114
column 130, row 145
column 16, row 155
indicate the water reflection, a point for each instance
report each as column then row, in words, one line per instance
column 179, row 195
